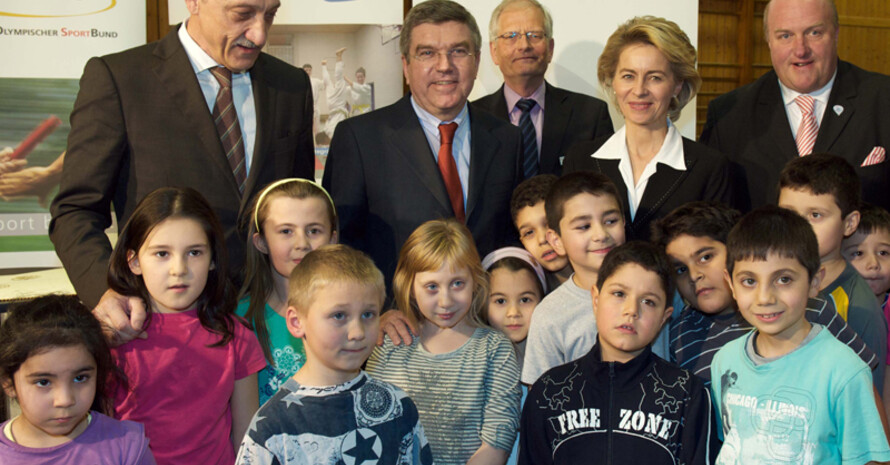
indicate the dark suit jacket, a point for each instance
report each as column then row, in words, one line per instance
column 707, row 177
column 749, row 125
column 385, row 181
column 140, row 122
column 569, row 117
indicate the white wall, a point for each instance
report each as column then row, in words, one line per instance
column 320, row 11
column 382, row 62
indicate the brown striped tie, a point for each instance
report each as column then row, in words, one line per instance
column 226, row 120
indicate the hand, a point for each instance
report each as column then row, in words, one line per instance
column 7, row 164
column 121, row 317
column 33, row 181
column 394, row 324
column 339, row 53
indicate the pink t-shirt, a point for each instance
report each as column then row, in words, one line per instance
column 180, row 388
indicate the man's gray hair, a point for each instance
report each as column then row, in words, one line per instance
column 493, row 31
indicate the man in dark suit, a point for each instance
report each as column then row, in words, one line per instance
column 142, row 120
column 810, row 102
column 392, row 169
column 521, row 44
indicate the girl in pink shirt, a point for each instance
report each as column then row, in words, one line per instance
column 192, row 379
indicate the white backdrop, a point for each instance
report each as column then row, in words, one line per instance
column 320, row 12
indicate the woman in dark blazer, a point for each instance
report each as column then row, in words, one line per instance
column 648, row 68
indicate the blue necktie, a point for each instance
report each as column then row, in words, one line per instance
column 529, row 137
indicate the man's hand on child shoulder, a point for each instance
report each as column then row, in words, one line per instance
column 394, row 324
column 121, row 317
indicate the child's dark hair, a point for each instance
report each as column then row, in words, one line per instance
column 772, row 229
column 823, row 173
column 873, row 219
column 642, row 253
column 515, row 264
column 530, row 192
column 697, row 219
column 259, row 280
column 216, row 303
column 53, row 321
column 572, row 184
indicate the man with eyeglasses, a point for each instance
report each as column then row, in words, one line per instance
column 521, row 44
column 428, row 155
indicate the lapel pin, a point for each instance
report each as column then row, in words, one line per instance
column 838, row 109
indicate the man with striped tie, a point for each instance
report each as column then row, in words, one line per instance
column 203, row 108
column 810, row 102
column 551, row 119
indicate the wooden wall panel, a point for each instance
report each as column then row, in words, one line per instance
column 733, row 52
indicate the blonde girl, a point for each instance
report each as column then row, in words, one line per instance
column 291, row 217
column 461, row 374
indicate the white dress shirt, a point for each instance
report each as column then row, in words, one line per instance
column 460, row 147
column 792, row 109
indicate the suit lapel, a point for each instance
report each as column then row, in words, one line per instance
column 556, row 119
column 780, row 141
column 483, row 146
column 413, row 148
column 610, row 169
column 176, row 73
column 843, row 94
column 500, row 105
column 660, row 187
column 264, row 99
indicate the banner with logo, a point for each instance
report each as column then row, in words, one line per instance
column 44, row 46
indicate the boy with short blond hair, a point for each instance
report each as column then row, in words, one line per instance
column 788, row 392
column 620, row 403
column 330, row 411
column 530, row 219
column 585, row 223
column 694, row 238
column 825, row 190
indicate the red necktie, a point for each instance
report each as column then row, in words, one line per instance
column 226, row 120
column 449, row 170
column 808, row 129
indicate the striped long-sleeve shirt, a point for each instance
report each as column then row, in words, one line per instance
column 464, row 397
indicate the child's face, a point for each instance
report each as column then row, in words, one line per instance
column 174, row 262
column 590, row 227
column 360, row 78
column 444, row 296
column 293, row 228
column 772, row 295
column 699, row 263
column 339, row 330
column 55, row 390
column 824, row 215
column 514, row 295
column 630, row 310
column 531, row 222
column 870, row 255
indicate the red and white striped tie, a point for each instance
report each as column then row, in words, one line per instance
column 808, row 129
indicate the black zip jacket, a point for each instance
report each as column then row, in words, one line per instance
column 645, row 411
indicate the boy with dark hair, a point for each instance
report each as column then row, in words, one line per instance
column 825, row 190
column 620, row 400
column 788, row 392
column 330, row 411
column 585, row 223
column 530, row 218
column 868, row 250
column 694, row 238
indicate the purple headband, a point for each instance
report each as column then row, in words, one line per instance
column 519, row 253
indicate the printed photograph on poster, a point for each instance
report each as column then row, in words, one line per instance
column 33, row 134
column 354, row 68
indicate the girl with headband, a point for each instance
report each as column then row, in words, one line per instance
column 291, row 217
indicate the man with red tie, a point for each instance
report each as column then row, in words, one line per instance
column 428, row 155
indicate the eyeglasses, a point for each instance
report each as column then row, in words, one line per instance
column 457, row 53
column 534, row 37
